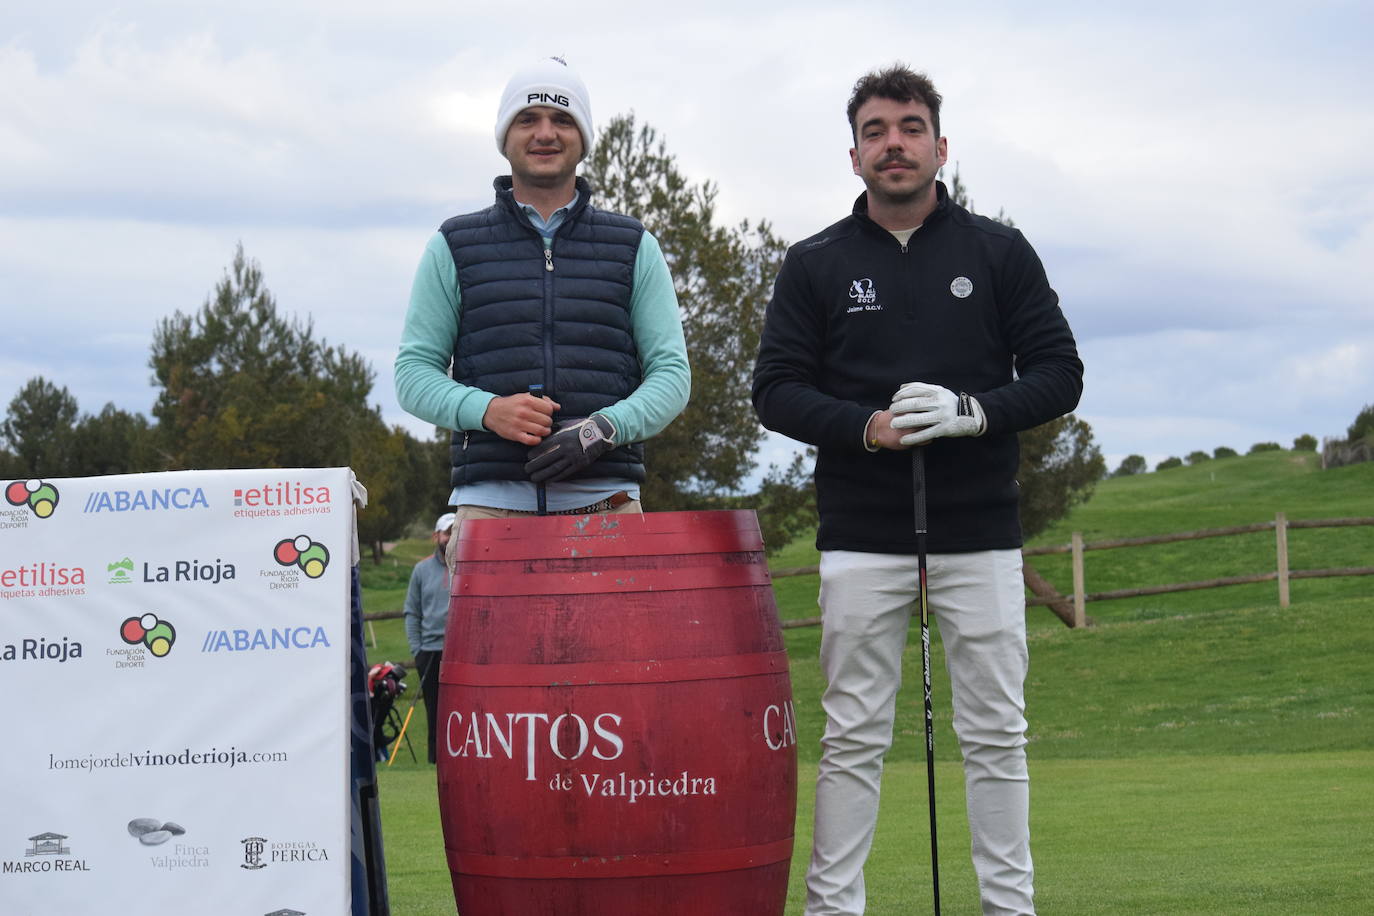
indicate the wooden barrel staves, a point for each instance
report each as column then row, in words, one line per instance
column 617, row 732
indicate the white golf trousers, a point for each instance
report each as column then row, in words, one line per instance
column 867, row 601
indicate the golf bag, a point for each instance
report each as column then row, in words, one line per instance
column 384, row 684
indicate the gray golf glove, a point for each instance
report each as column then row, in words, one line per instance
column 571, row 447
column 935, row 412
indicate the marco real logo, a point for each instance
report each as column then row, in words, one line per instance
column 47, row 852
column 30, row 497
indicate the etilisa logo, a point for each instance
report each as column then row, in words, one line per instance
column 961, row 287
column 42, row 579
column 47, row 852
column 287, row 912
column 276, row 500
column 862, row 291
column 34, row 495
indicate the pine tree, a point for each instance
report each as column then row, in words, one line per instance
column 724, row 277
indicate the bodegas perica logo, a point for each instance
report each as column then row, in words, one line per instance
column 38, row 497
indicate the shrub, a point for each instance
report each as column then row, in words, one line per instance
column 1170, row 462
column 1338, row 453
column 1363, row 425
column 1224, row 451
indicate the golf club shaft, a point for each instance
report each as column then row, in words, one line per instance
column 918, row 494
column 424, row 675
column 541, row 493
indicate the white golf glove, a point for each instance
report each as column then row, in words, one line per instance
column 934, row 412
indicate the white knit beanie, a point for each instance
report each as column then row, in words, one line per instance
column 548, row 82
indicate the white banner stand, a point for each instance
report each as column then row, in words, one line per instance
column 176, row 647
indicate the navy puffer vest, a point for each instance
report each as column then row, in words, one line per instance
column 560, row 318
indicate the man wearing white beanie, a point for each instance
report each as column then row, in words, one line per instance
column 559, row 320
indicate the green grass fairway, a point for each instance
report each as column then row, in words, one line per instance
column 1196, row 753
column 1279, row 834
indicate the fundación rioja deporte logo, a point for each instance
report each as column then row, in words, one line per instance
column 38, row 497
column 150, row 631
column 311, row 557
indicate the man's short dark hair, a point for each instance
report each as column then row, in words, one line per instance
column 900, row 84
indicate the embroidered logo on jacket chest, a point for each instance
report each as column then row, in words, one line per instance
column 865, row 296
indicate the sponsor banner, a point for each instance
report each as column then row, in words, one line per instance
column 180, row 642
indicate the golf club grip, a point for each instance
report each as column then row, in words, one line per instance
column 918, row 487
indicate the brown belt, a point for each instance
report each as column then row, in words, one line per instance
column 610, row 502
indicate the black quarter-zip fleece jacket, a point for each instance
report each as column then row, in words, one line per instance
column 855, row 315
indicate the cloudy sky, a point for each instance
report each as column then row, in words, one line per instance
column 1196, row 176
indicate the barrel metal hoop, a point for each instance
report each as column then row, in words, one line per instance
column 585, row 674
column 616, row 581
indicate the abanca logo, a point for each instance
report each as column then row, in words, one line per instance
column 146, row 500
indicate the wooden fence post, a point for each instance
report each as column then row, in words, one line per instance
column 1281, row 536
column 1080, row 591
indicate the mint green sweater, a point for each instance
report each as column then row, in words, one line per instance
column 424, row 388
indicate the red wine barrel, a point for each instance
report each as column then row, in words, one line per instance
column 616, row 729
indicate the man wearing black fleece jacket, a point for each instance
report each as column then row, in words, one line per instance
column 912, row 286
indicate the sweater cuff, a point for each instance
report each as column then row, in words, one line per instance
column 870, row 444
